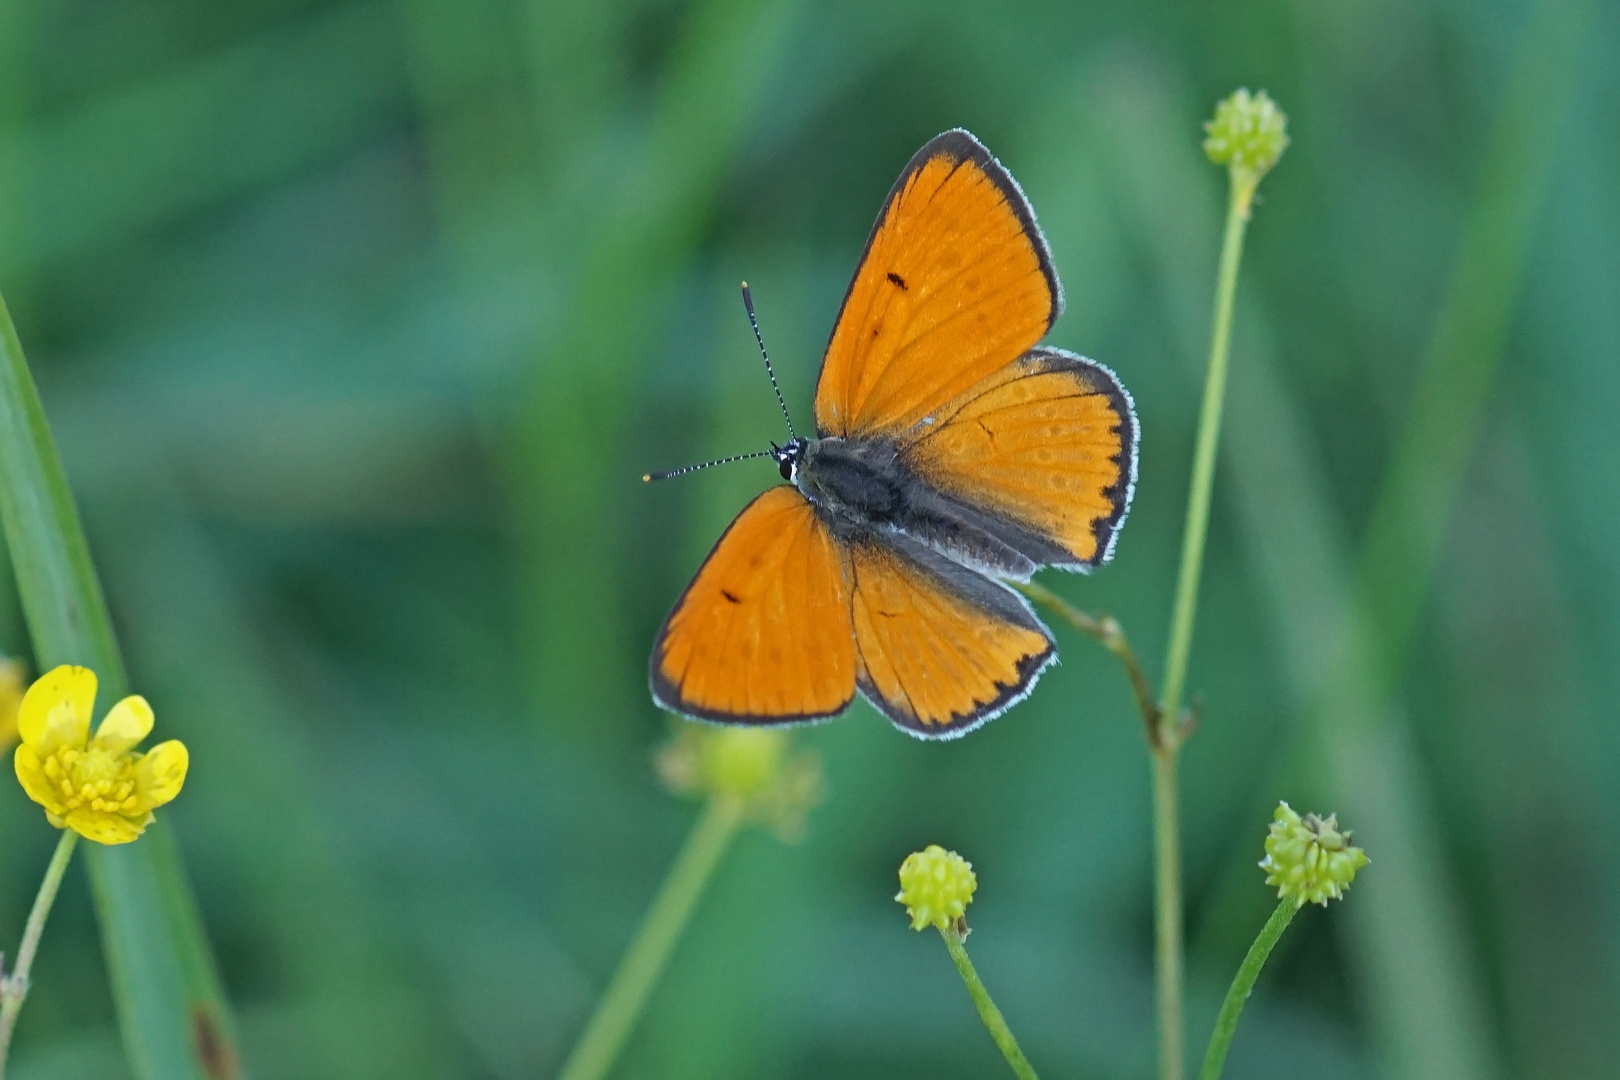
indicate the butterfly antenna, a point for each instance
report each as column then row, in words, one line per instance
column 666, row 474
column 748, row 302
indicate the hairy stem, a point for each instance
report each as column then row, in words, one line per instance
column 993, row 1020
column 14, row 987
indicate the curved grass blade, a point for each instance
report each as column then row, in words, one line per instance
column 171, row 1009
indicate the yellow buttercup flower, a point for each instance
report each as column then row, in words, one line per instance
column 11, row 695
column 101, row 788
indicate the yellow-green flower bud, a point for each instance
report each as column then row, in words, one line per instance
column 1248, row 134
column 741, row 762
column 750, row 765
column 1310, row 858
column 936, row 886
column 737, row 762
column 795, row 792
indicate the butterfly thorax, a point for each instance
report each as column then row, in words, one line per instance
column 862, row 487
column 853, row 483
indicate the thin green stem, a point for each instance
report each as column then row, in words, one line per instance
column 1167, row 912
column 1209, row 437
column 1242, row 984
column 1105, row 629
column 626, row 994
column 988, row 1012
column 14, row 987
column 1169, row 732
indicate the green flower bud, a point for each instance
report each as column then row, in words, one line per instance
column 796, row 791
column 1248, row 134
column 936, row 886
column 750, row 765
column 741, row 762
column 1310, row 859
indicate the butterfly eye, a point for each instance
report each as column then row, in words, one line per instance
column 787, row 458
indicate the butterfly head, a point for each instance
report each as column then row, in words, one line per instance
column 789, row 456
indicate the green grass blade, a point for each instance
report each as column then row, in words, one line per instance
column 1412, row 509
column 171, row 1009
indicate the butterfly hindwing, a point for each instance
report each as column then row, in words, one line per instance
column 1047, row 444
column 956, row 283
column 763, row 633
column 941, row 647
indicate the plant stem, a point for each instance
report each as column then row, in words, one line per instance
column 1209, row 436
column 1167, row 737
column 988, row 1012
column 1106, row 629
column 14, row 987
column 626, row 994
column 1242, row 984
column 1167, row 912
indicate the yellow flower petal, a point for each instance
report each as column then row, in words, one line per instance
column 104, row 828
column 160, row 774
column 56, row 710
column 12, row 686
column 31, row 774
column 127, row 723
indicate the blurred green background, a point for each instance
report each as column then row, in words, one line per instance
column 358, row 323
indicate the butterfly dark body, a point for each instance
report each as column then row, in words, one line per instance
column 952, row 453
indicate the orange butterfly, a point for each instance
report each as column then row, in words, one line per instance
column 950, row 452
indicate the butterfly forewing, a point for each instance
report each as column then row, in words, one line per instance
column 763, row 633
column 956, row 283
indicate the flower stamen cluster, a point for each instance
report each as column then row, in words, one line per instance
column 99, row 787
column 936, row 886
column 1310, row 858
